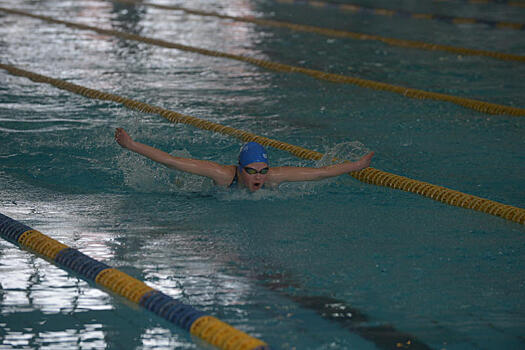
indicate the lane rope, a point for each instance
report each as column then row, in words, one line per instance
column 185, row 316
column 480, row 106
column 354, row 8
column 368, row 175
column 484, row 2
column 338, row 33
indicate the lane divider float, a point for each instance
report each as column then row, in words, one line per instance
column 202, row 325
column 354, row 8
column 412, row 44
column 484, row 2
column 480, row 106
column 369, row 175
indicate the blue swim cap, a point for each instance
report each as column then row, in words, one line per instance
column 252, row 152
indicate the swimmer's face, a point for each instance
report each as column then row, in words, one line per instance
column 255, row 180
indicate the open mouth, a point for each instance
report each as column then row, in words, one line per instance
column 257, row 185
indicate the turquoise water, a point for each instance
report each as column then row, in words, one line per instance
column 331, row 265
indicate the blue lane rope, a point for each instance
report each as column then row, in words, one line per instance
column 80, row 263
column 184, row 316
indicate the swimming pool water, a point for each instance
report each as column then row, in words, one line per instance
column 331, row 265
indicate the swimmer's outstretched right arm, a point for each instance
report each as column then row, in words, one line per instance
column 220, row 174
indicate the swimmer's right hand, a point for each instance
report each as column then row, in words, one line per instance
column 122, row 138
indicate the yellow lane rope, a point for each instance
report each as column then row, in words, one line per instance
column 340, row 33
column 480, row 106
column 406, row 14
column 368, row 175
column 497, row 2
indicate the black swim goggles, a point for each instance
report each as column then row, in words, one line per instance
column 253, row 171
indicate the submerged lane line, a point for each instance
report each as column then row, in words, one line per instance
column 339, row 33
column 480, row 106
column 368, row 175
column 383, row 335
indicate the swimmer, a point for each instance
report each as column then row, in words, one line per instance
column 252, row 172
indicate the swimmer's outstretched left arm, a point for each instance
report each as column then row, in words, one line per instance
column 290, row 174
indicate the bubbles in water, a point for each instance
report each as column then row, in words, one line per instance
column 344, row 151
column 242, row 194
column 141, row 175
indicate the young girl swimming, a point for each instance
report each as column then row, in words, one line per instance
column 252, row 172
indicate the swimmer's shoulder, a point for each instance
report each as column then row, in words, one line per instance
column 276, row 175
column 225, row 175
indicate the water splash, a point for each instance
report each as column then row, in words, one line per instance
column 143, row 175
column 344, row 151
